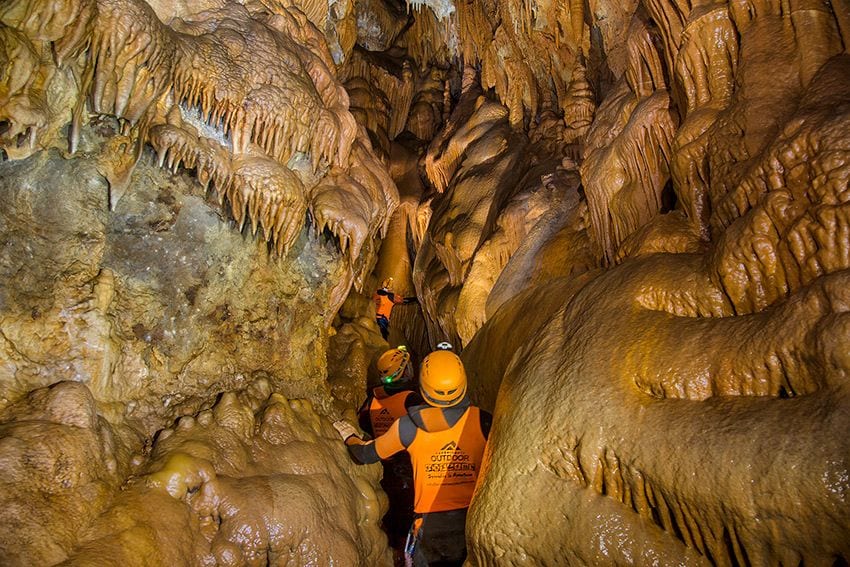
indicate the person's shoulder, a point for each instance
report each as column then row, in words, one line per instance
column 417, row 409
column 415, row 413
column 415, row 398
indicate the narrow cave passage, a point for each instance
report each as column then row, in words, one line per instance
column 631, row 219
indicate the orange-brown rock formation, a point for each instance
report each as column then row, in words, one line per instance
column 631, row 218
column 234, row 92
column 657, row 401
column 254, row 479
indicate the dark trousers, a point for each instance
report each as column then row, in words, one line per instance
column 398, row 484
column 439, row 540
column 384, row 325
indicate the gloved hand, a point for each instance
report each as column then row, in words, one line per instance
column 345, row 429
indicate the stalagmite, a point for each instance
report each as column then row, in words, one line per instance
column 579, row 105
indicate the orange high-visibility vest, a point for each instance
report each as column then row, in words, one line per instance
column 446, row 464
column 384, row 410
column 384, row 305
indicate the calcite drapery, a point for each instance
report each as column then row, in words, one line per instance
column 257, row 81
column 495, row 195
column 477, row 133
column 628, row 147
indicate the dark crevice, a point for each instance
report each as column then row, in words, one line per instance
column 668, row 198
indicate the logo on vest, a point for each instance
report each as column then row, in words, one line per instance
column 382, row 420
column 451, row 463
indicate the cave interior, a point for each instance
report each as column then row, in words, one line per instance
column 631, row 219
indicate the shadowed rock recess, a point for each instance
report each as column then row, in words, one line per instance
column 631, row 218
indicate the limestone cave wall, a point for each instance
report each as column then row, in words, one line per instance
column 187, row 202
column 673, row 364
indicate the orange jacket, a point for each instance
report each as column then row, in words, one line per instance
column 386, row 408
column 385, row 301
column 446, row 446
column 446, row 464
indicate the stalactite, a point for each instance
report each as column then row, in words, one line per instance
column 430, row 105
column 671, row 17
column 499, row 37
column 277, row 96
column 578, row 105
column 624, row 180
column 355, row 206
column 395, row 81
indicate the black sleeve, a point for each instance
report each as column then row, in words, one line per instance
column 486, row 420
column 411, row 300
column 364, row 454
column 414, row 399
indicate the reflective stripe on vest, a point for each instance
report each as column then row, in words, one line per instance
column 446, row 464
column 383, row 411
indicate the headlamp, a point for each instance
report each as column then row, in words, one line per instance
column 391, row 377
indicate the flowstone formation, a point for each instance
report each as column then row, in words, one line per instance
column 143, row 147
column 675, row 360
column 254, row 479
column 61, row 462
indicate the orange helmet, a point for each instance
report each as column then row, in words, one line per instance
column 392, row 363
column 442, row 380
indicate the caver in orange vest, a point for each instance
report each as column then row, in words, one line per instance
column 385, row 409
column 446, row 464
column 384, row 303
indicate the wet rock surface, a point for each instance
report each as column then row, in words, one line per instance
column 156, row 305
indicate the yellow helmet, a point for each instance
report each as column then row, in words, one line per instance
column 387, row 283
column 392, row 363
column 442, row 380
